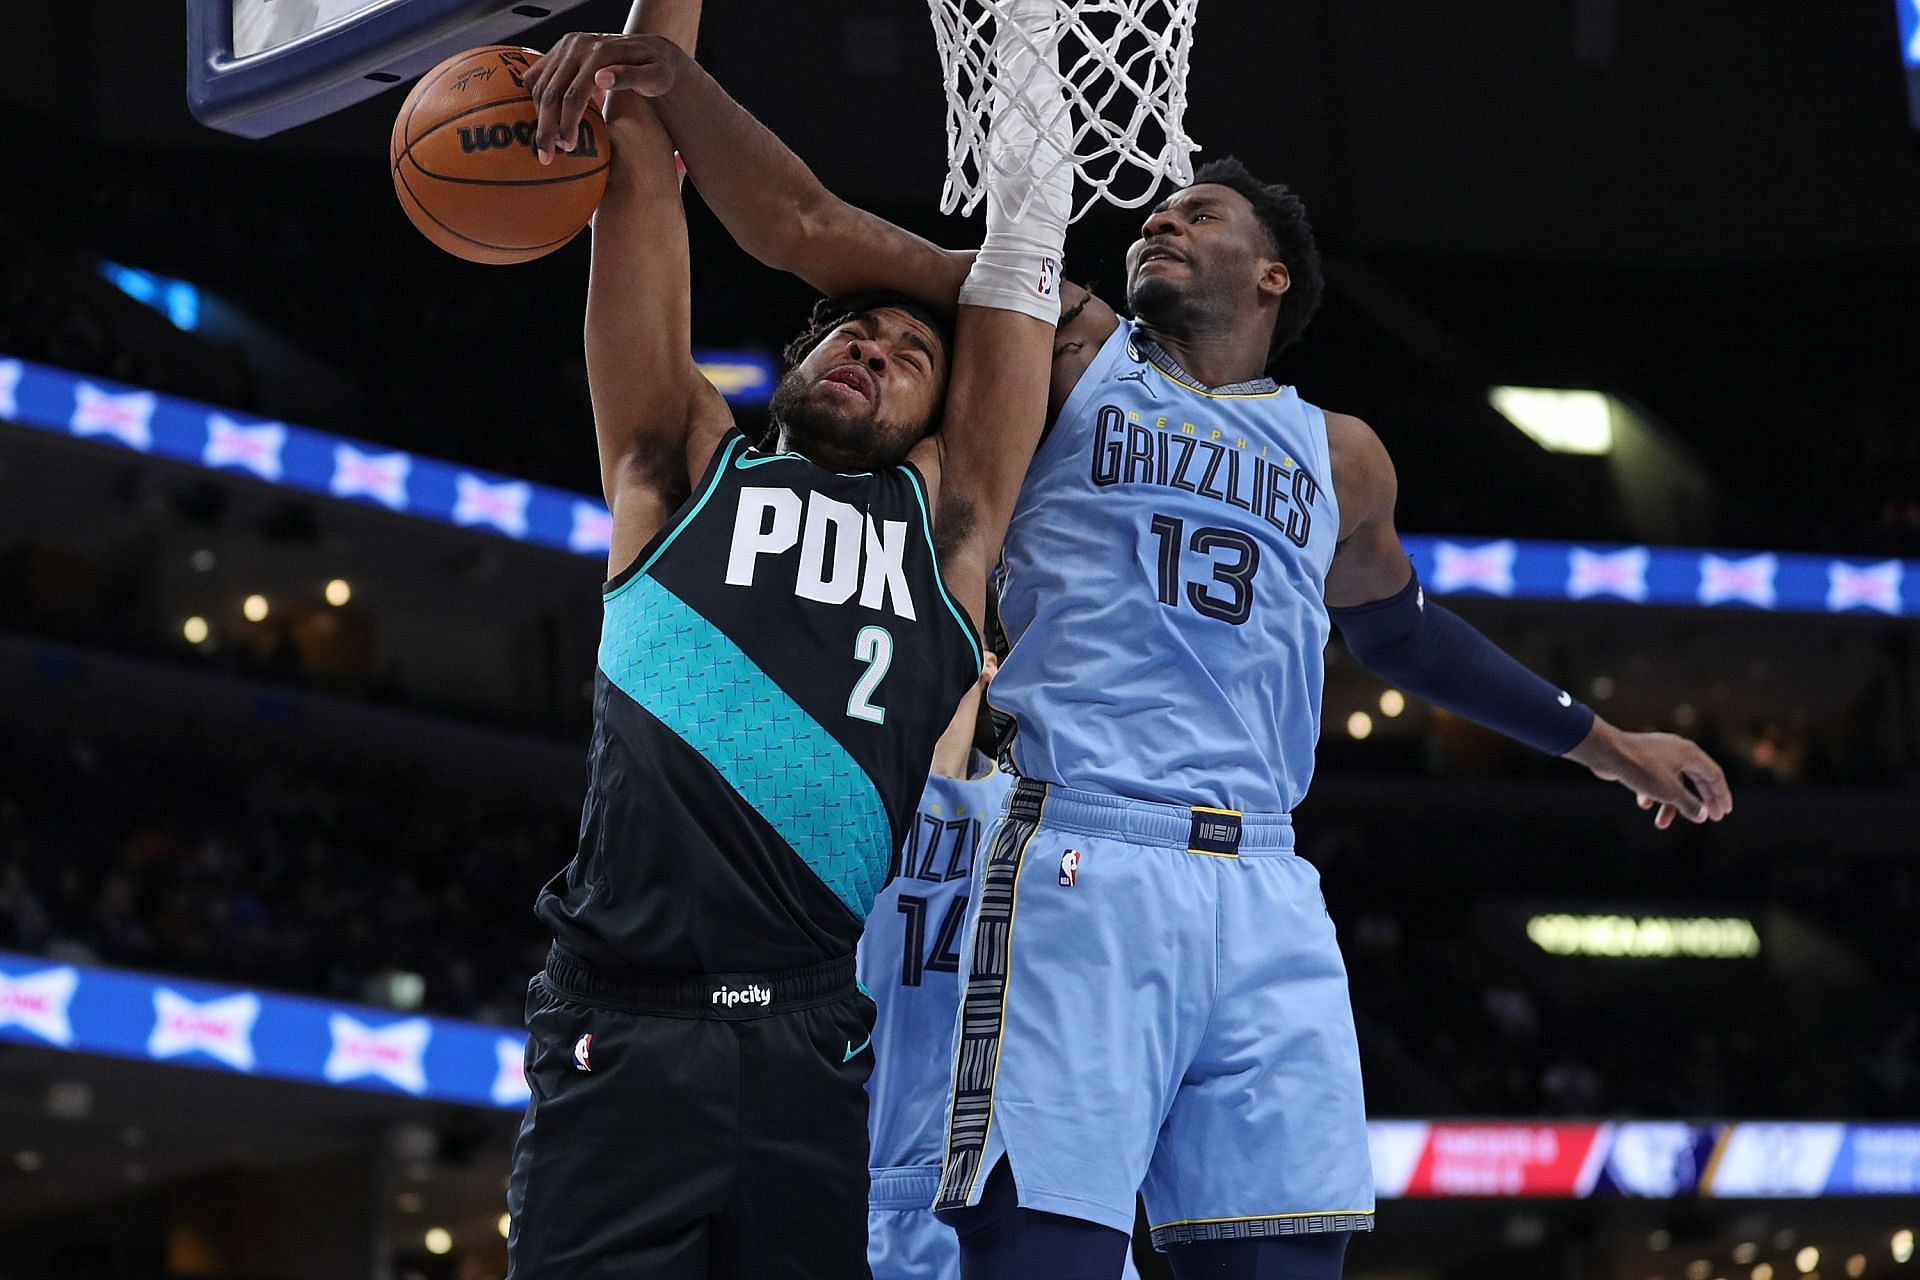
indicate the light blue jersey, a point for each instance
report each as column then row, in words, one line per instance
column 910, row 964
column 1164, row 588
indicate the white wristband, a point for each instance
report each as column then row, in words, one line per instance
column 1028, row 178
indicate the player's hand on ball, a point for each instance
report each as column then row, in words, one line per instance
column 584, row 67
column 1666, row 773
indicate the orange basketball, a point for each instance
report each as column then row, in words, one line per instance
column 465, row 169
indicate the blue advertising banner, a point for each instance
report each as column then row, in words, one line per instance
column 63, row 403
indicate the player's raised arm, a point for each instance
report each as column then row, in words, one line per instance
column 1009, row 305
column 654, row 414
column 1427, row 649
column 767, row 197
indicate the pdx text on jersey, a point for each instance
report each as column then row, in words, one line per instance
column 842, row 549
column 1179, row 456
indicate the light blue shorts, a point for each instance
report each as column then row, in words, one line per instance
column 1156, row 1000
column 904, row 1240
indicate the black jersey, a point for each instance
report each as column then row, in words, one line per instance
column 775, row 668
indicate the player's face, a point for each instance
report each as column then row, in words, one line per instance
column 867, row 394
column 1202, row 252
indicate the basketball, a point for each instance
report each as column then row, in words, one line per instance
column 465, row 170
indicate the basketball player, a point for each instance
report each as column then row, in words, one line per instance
column 1189, row 532
column 782, row 648
column 910, row 964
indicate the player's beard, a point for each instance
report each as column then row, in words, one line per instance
column 1163, row 306
column 829, row 434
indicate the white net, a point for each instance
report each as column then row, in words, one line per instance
column 1125, row 67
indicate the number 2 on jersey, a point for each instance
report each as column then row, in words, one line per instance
column 1237, row 576
column 873, row 646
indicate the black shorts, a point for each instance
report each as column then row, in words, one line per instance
column 685, row 1127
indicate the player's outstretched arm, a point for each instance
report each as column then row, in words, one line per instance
column 779, row 211
column 1003, row 342
column 1429, row 650
column 765, row 195
column 655, row 415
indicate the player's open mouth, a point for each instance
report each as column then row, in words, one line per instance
column 851, row 380
column 1160, row 255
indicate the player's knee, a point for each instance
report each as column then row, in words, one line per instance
column 1317, row 1257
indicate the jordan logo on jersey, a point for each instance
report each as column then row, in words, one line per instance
column 842, row 550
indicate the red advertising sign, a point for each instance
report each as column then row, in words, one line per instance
column 1509, row 1160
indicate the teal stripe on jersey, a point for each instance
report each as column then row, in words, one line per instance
column 693, row 679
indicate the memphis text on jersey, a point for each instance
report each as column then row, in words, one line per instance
column 1245, row 474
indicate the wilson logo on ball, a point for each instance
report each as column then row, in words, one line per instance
column 467, row 173
column 520, row 134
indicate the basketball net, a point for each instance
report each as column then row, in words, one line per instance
column 1124, row 63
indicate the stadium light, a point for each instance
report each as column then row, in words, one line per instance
column 1392, row 703
column 1857, row 1265
column 1612, row 936
column 177, row 300
column 1903, row 1245
column 255, row 608
column 1763, row 1271
column 1807, row 1259
column 439, row 1240
column 1359, row 726
column 195, row 630
column 339, row 591
column 505, row 1224
column 1746, row 1251
column 1559, row 421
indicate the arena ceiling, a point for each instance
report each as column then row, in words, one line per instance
column 1608, row 130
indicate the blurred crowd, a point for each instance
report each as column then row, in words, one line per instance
column 1462, row 1014
column 251, row 861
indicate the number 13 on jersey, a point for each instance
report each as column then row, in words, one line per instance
column 1233, row 557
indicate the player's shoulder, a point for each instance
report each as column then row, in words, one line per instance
column 1363, row 476
column 1352, row 443
column 1086, row 323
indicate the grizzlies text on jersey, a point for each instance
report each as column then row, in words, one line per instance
column 775, row 668
column 1178, row 609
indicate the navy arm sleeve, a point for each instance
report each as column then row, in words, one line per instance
column 1432, row 652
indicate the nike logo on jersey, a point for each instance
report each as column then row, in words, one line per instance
column 841, row 550
column 852, row 1051
column 1566, row 699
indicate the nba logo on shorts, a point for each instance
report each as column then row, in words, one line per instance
column 582, row 1049
column 1069, row 867
column 1049, row 278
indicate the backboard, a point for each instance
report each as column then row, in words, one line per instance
column 256, row 67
